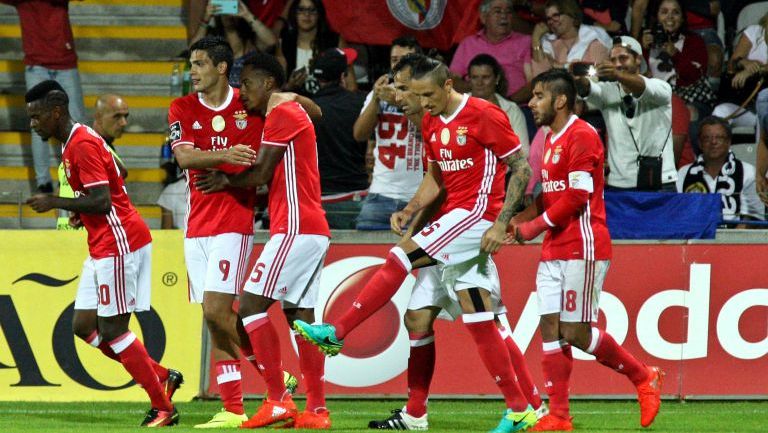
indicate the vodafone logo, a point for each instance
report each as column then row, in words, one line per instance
column 377, row 350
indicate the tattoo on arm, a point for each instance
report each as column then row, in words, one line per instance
column 518, row 181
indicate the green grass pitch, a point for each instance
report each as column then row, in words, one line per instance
column 353, row 416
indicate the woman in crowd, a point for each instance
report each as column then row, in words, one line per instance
column 307, row 34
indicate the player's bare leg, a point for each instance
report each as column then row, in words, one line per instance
column 421, row 367
column 136, row 361
column 278, row 406
column 312, row 364
column 221, row 319
column 476, row 305
column 85, row 327
column 608, row 352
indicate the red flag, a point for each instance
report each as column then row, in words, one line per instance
column 435, row 23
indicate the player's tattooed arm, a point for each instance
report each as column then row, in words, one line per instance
column 425, row 215
column 97, row 201
column 520, row 172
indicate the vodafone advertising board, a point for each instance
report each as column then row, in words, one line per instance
column 698, row 311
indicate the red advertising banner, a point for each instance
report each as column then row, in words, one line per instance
column 698, row 311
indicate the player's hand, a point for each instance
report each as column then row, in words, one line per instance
column 74, row 221
column 41, row 202
column 278, row 98
column 493, row 238
column 399, row 221
column 211, row 181
column 240, row 155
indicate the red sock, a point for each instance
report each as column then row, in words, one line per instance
column 247, row 353
column 494, row 354
column 557, row 364
column 136, row 361
column 421, row 367
column 380, row 289
column 610, row 354
column 312, row 364
column 266, row 347
column 524, row 379
column 95, row 340
column 229, row 379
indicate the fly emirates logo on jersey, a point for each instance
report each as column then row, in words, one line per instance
column 446, row 162
column 551, row 185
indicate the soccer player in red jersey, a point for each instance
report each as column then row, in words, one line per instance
column 575, row 254
column 288, row 269
column 212, row 129
column 119, row 243
column 469, row 146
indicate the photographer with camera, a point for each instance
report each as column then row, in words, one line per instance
column 679, row 57
column 638, row 118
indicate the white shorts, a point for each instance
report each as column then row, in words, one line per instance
column 288, row 269
column 217, row 263
column 454, row 241
column 571, row 288
column 428, row 291
column 116, row 285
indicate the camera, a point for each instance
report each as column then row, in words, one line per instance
column 583, row 69
column 660, row 36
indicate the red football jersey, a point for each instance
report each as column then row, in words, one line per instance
column 194, row 123
column 577, row 148
column 469, row 147
column 89, row 163
column 294, row 192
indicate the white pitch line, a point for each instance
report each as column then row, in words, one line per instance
column 362, row 413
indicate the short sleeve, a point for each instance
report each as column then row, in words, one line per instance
column 178, row 125
column 496, row 134
column 368, row 100
column 284, row 123
column 90, row 164
column 585, row 151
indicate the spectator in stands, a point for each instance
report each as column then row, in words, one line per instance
column 745, row 69
column 638, row 118
column 306, row 35
column 110, row 118
column 487, row 81
column 563, row 39
column 717, row 170
column 761, row 179
column 679, row 57
column 244, row 32
column 396, row 148
column 497, row 38
column 49, row 54
column 268, row 12
column 341, row 158
column 700, row 17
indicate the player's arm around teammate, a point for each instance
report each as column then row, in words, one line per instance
column 520, row 171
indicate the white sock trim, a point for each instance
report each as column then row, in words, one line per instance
column 551, row 346
column 252, row 318
column 228, row 377
column 96, row 340
column 403, row 257
column 423, row 341
column 594, row 340
column 477, row 317
column 122, row 343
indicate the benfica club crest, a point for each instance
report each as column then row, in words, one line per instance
column 241, row 119
column 418, row 14
column 461, row 135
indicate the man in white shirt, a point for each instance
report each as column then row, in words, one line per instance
column 717, row 170
column 638, row 118
column 398, row 166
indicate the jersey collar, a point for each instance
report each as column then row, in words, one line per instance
column 565, row 128
column 72, row 132
column 225, row 104
column 449, row 119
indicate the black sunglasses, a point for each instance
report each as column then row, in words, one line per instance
column 629, row 106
